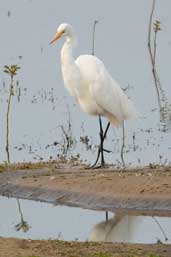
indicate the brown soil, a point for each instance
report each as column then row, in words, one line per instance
column 52, row 248
column 136, row 183
column 108, row 189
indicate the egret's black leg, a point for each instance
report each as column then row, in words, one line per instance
column 107, row 217
column 101, row 150
column 105, row 133
column 101, row 143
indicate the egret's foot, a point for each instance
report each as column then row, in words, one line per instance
column 94, row 167
column 103, row 164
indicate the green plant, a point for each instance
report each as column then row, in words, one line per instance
column 68, row 140
column 164, row 107
column 11, row 71
column 123, row 144
column 93, row 39
column 86, row 141
column 153, row 255
column 152, row 52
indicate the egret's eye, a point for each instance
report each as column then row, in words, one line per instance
column 63, row 31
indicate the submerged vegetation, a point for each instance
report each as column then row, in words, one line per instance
column 68, row 139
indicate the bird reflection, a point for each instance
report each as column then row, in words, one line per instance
column 120, row 228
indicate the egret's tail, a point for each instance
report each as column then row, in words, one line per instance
column 128, row 112
column 115, row 122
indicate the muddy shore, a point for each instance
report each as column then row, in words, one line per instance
column 146, row 189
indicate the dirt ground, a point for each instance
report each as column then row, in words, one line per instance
column 52, row 248
column 132, row 183
column 147, row 188
column 96, row 189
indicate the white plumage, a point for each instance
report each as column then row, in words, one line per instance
column 87, row 79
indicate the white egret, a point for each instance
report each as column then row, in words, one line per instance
column 93, row 88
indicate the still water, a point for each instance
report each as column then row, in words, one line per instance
column 42, row 110
column 44, row 221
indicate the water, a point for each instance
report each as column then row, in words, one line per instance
column 46, row 221
column 41, row 104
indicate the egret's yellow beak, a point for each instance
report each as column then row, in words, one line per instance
column 57, row 35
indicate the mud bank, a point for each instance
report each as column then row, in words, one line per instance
column 147, row 190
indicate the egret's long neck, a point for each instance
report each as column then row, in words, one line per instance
column 67, row 53
column 70, row 71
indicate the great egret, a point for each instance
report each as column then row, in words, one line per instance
column 89, row 82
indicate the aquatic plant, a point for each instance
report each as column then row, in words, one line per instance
column 11, row 71
column 93, row 37
column 85, row 140
column 164, row 107
column 69, row 140
column 123, row 144
column 152, row 52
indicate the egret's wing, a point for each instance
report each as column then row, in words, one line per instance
column 107, row 93
column 104, row 90
column 111, row 98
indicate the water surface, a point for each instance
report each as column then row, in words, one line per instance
column 46, row 221
column 41, row 104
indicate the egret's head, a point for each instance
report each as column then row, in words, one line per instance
column 64, row 30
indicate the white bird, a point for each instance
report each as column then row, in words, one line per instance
column 89, row 82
